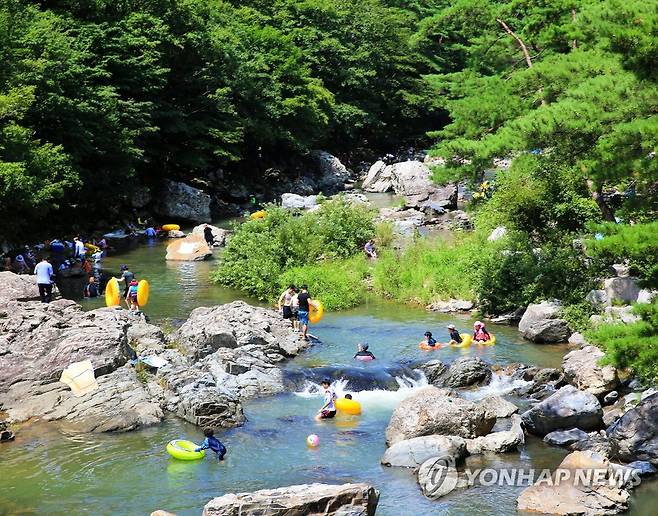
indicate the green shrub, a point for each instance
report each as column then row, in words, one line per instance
column 636, row 243
column 633, row 346
column 261, row 251
column 514, row 273
column 577, row 315
column 337, row 283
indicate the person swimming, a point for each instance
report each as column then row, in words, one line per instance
column 363, row 353
column 429, row 340
column 455, row 337
column 480, row 334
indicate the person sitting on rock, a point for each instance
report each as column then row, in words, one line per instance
column 211, row 442
column 455, row 337
column 429, row 340
column 480, row 334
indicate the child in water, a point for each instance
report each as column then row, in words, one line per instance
column 211, row 442
column 480, row 334
column 328, row 410
column 429, row 340
column 131, row 297
column 455, row 337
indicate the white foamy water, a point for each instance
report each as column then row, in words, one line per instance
column 498, row 386
column 374, row 399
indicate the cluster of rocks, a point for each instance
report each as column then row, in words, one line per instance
column 437, row 424
column 425, row 203
column 218, row 357
column 580, row 406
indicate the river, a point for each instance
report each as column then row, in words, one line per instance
column 50, row 469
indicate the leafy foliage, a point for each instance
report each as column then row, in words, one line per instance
column 128, row 93
column 263, row 255
column 633, row 346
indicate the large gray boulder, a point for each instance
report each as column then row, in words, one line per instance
column 582, row 369
column 562, row 495
column 411, row 453
column 330, row 500
column 379, row 178
column 219, row 235
column 621, row 290
column 463, row 372
column 22, row 287
column 38, row 341
column 179, row 201
column 541, row 323
column 565, row 437
column 291, row 201
column 234, row 325
column 634, row 436
column 119, row 404
column 498, row 407
column 498, row 442
column 412, row 179
column 567, row 408
column 332, row 173
column 437, row 411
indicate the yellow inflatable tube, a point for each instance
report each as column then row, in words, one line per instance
column 490, row 342
column 112, row 293
column 142, row 292
column 260, row 214
column 467, row 339
column 317, row 312
column 170, row 227
column 351, row 407
column 184, row 450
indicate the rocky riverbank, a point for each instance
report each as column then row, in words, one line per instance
column 217, row 358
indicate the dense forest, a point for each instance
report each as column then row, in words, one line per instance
column 97, row 96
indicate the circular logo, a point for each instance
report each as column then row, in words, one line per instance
column 438, row 476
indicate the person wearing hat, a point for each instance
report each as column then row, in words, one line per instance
column 429, row 340
column 126, row 276
column 479, row 332
column 363, row 353
column 455, row 337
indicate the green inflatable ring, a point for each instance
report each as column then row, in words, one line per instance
column 184, row 450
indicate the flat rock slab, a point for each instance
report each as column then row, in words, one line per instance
column 411, row 453
column 565, row 437
column 299, row 500
column 192, row 248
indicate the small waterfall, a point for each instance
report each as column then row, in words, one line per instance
column 498, row 386
column 375, row 398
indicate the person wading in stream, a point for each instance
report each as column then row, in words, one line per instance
column 304, row 298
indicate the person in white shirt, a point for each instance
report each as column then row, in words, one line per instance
column 80, row 250
column 328, row 410
column 44, row 273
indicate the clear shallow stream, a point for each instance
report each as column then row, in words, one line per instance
column 51, row 470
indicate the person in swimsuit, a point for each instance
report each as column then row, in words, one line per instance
column 285, row 302
column 455, row 337
column 429, row 340
column 328, row 410
column 479, row 332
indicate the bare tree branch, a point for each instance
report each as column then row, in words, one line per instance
column 524, row 49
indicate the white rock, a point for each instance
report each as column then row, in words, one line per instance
column 497, row 234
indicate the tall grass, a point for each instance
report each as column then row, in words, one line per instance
column 339, row 284
column 428, row 271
